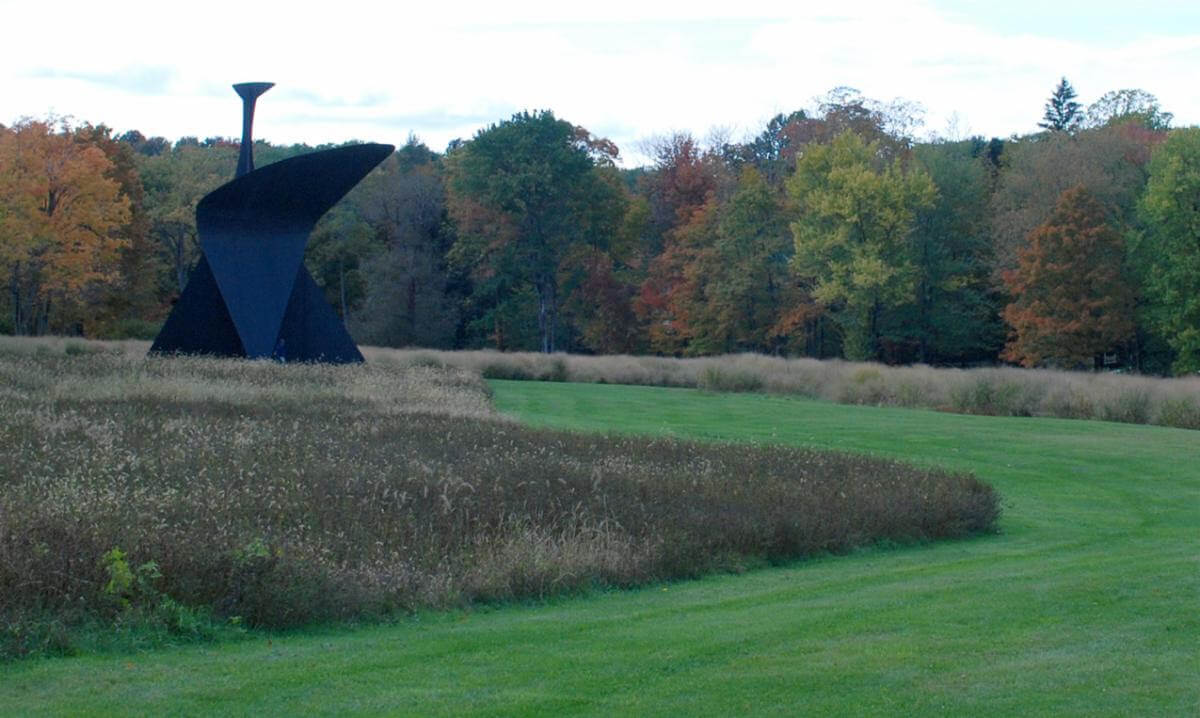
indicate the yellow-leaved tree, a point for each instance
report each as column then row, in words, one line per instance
column 60, row 213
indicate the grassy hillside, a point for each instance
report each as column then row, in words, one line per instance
column 1085, row 604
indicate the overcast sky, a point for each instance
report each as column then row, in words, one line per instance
column 624, row 70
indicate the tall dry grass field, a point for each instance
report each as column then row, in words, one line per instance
column 186, row 489
column 996, row 391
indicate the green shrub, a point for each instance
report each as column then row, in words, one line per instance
column 557, row 371
column 991, row 396
column 131, row 329
column 716, row 379
column 549, row 370
column 1180, row 412
column 429, row 361
column 866, row 386
column 73, row 349
column 1131, row 406
column 1069, row 403
column 506, row 371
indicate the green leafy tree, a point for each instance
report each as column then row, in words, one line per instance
column 1063, row 113
column 745, row 272
column 522, row 193
column 174, row 182
column 335, row 252
column 955, row 316
column 1129, row 105
column 852, row 236
column 412, row 297
column 771, row 152
column 1167, row 253
column 1071, row 300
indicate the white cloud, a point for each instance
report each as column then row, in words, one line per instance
column 376, row 72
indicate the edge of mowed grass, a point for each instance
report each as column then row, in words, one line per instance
column 1083, row 605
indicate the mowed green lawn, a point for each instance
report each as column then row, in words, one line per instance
column 1087, row 603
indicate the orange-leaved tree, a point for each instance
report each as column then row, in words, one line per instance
column 59, row 215
column 1071, row 299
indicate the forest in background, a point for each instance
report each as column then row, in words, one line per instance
column 833, row 232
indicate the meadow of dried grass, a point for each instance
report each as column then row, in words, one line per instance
column 278, row 495
column 990, row 391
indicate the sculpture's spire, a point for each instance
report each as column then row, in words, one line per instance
column 249, row 92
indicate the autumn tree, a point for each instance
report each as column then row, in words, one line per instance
column 672, row 299
column 128, row 304
column 1167, row 252
column 683, row 188
column 683, row 176
column 889, row 125
column 59, row 215
column 852, row 236
column 599, row 301
column 1110, row 162
column 522, row 193
column 1063, row 113
column 1071, row 300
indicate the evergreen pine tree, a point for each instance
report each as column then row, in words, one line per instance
column 1063, row 114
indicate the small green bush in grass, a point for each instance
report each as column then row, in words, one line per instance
column 866, row 386
column 79, row 348
column 131, row 329
column 554, row 369
column 714, row 378
column 1069, row 403
column 1131, row 406
column 991, row 396
column 1182, row 413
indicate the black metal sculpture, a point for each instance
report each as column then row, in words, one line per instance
column 250, row 294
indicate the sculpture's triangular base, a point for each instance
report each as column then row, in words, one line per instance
column 311, row 330
column 199, row 323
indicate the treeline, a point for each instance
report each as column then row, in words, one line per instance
column 832, row 233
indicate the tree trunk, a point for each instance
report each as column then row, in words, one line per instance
column 14, row 286
column 873, row 347
column 547, row 314
column 43, row 320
